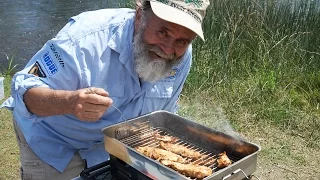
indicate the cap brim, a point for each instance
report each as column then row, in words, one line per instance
column 176, row 16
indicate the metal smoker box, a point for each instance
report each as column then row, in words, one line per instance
column 122, row 139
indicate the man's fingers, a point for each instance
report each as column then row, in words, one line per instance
column 91, row 103
column 98, row 99
column 94, row 90
column 101, row 92
column 95, row 107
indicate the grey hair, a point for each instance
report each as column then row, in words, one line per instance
column 146, row 5
column 146, row 10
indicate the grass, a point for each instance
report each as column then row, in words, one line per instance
column 284, row 153
column 9, row 152
column 11, row 67
column 258, row 72
column 256, row 77
column 262, row 57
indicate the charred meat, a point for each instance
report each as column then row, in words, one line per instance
column 223, row 160
column 160, row 154
column 181, row 150
column 191, row 170
column 165, row 138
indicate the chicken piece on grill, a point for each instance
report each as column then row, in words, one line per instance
column 160, row 154
column 181, row 150
column 205, row 160
column 191, row 170
column 223, row 160
column 165, row 138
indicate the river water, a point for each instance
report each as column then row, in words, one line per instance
column 26, row 25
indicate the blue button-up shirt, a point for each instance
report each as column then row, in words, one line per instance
column 93, row 49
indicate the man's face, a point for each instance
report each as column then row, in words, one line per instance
column 158, row 46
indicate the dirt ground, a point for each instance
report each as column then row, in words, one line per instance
column 284, row 156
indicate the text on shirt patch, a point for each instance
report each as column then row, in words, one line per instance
column 56, row 54
column 49, row 64
column 37, row 70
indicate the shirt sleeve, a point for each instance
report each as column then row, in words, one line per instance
column 181, row 76
column 54, row 66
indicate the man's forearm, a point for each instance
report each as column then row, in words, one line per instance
column 47, row 102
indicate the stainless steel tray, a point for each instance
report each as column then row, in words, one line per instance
column 121, row 139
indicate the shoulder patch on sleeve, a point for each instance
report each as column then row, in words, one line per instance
column 37, row 70
column 56, row 54
column 49, row 64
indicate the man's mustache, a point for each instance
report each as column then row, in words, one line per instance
column 159, row 52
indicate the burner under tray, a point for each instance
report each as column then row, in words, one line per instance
column 113, row 169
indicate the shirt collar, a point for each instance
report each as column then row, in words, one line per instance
column 122, row 35
column 121, row 42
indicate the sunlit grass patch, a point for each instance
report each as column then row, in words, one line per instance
column 261, row 59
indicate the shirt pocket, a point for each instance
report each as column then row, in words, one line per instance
column 162, row 89
column 158, row 96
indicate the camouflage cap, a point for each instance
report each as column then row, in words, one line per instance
column 187, row 13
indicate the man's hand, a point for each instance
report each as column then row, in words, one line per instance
column 90, row 104
column 84, row 104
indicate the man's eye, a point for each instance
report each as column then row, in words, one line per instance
column 182, row 42
column 163, row 33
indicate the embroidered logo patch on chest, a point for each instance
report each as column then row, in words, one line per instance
column 173, row 73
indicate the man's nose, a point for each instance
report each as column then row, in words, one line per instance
column 167, row 48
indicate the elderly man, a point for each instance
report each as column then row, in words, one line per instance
column 102, row 67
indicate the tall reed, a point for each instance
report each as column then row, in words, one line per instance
column 262, row 54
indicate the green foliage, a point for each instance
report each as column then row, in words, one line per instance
column 11, row 68
column 261, row 57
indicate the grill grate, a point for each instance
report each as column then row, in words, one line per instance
column 145, row 136
column 123, row 139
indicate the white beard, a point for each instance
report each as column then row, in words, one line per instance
column 150, row 69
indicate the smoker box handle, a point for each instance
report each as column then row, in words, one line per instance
column 235, row 172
